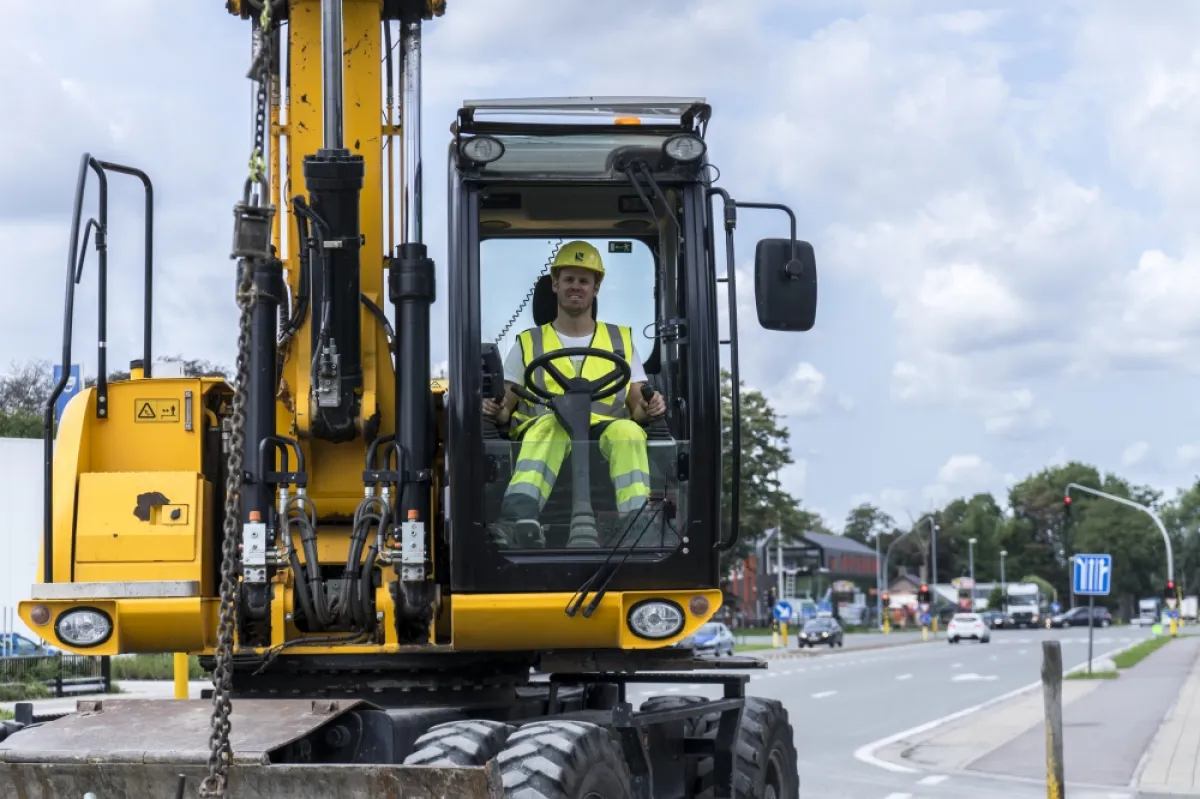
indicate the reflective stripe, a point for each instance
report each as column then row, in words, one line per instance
column 632, row 504
column 630, row 478
column 531, row 465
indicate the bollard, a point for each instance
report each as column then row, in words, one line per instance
column 181, row 675
column 1052, row 677
column 783, row 632
column 924, row 633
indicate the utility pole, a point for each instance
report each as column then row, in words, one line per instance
column 1003, row 585
column 971, row 544
column 879, row 578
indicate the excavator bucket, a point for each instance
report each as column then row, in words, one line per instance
column 301, row 749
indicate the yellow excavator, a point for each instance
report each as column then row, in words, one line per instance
column 324, row 528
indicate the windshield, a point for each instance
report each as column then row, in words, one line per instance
column 709, row 629
column 632, row 490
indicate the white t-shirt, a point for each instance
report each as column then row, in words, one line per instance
column 514, row 364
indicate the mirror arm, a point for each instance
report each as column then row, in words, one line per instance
column 735, row 456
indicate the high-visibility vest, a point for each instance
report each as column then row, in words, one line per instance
column 535, row 341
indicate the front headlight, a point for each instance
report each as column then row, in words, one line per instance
column 482, row 149
column 656, row 619
column 685, row 148
column 83, row 627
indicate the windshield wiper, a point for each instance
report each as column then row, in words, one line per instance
column 583, row 590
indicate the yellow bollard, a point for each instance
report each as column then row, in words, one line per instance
column 783, row 630
column 887, row 624
column 924, row 633
column 181, row 675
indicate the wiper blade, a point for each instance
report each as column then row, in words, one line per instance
column 581, row 593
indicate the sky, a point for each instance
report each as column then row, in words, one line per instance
column 1001, row 198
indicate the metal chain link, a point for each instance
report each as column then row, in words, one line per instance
column 532, row 291
column 220, row 754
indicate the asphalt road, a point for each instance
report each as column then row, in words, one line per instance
column 843, row 702
column 852, row 640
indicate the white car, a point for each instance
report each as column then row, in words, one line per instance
column 967, row 625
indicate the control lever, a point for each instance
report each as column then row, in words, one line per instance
column 657, row 430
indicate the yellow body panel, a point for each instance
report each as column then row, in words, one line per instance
column 479, row 622
column 335, row 471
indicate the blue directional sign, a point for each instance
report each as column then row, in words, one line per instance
column 1093, row 575
column 926, row 619
column 783, row 611
column 73, row 387
column 1055, row 607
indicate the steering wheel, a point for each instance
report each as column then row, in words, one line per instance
column 600, row 388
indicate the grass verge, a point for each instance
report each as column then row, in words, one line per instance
column 153, row 667
column 5, row 715
column 1095, row 675
column 751, row 647
column 1131, row 657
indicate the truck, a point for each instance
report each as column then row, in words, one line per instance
column 325, row 529
column 1025, row 605
column 1150, row 611
column 1188, row 608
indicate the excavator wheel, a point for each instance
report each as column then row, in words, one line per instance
column 564, row 760
column 767, row 765
column 460, row 743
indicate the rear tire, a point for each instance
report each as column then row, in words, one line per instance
column 460, row 743
column 765, row 750
column 564, row 760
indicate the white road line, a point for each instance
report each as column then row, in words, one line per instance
column 933, row 779
column 823, row 694
column 898, row 796
column 786, row 673
column 773, row 674
column 903, row 676
column 956, row 665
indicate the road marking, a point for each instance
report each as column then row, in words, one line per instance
column 956, row 666
column 972, row 677
column 933, row 779
column 773, row 674
column 992, row 657
column 1022, row 651
column 787, row 672
column 903, row 676
column 866, row 752
column 823, row 694
column 898, row 796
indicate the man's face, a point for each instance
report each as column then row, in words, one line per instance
column 576, row 289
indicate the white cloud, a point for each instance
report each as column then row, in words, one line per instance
column 965, row 476
column 1135, row 453
column 1187, row 454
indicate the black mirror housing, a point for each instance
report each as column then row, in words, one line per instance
column 785, row 285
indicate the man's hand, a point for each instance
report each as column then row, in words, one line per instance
column 494, row 410
column 656, row 406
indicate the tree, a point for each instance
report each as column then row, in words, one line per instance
column 765, row 451
column 1181, row 517
column 865, row 522
column 27, row 388
column 996, row 598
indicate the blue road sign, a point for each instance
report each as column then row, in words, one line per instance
column 926, row 619
column 783, row 611
column 824, row 606
column 73, row 387
column 1055, row 607
column 1093, row 575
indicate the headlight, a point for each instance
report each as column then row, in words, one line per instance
column 685, row 148
column 656, row 619
column 482, row 149
column 83, row 627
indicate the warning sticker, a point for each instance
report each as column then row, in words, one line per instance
column 156, row 410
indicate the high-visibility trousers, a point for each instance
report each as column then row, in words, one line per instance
column 546, row 444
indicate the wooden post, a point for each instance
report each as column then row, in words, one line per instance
column 1052, row 677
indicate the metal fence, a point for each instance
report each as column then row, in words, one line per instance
column 61, row 674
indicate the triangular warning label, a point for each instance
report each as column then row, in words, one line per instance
column 145, row 412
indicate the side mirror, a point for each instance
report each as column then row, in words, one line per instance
column 785, row 284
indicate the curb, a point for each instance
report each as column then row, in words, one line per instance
column 866, row 752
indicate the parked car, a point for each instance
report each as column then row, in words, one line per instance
column 713, row 638
column 17, row 645
column 1078, row 617
column 821, row 630
column 968, row 625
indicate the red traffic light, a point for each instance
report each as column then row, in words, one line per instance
column 1170, row 585
column 924, row 588
column 1066, row 500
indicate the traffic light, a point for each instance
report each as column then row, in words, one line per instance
column 1169, row 591
column 886, row 600
column 923, row 594
column 1067, row 506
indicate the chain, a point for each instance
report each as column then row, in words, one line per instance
column 220, row 753
column 532, row 291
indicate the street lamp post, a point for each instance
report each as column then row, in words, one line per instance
column 878, row 584
column 1003, row 585
column 971, row 550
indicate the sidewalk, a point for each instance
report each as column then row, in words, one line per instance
column 1106, row 734
column 1172, row 765
column 1139, row 732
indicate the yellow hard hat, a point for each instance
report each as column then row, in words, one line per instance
column 580, row 254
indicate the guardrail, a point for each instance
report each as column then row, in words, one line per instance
column 62, row 674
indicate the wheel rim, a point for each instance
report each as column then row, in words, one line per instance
column 774, row 786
